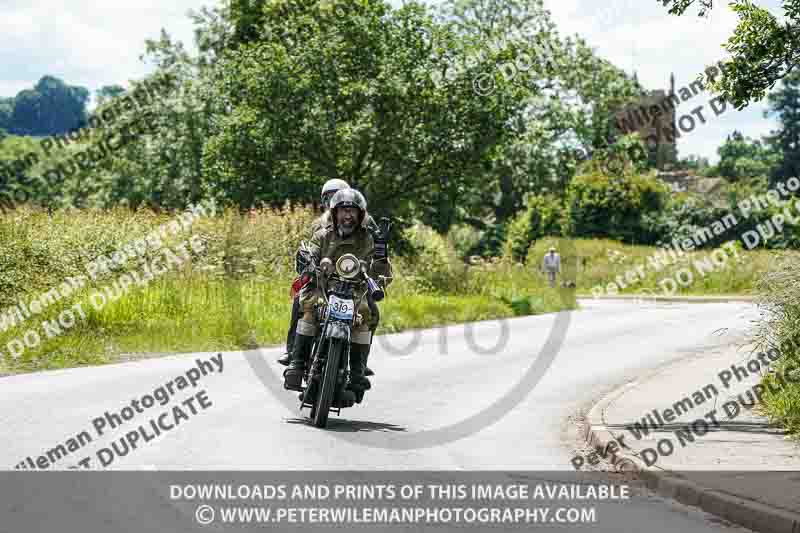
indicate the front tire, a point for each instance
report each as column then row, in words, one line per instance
column 325, row 397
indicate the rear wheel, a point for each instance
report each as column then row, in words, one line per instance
column 325, row 397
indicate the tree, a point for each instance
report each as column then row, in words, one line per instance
column 344, row 90
column 741, row 157
column 763, row 50
column 785, row 104
column 162, row 168
column 568, row 95
column 693, row 162
column 50, row 108
column 108, row 92
column 615, row 207
column 6, row 109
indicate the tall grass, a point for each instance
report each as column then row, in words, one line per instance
column 600, row 262
column 780, row 328
column 233, row 295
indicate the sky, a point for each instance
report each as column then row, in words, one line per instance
column 640, row 36
column 99, row 43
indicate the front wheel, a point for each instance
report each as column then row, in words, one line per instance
column 325, row 397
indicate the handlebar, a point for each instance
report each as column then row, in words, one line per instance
column 375, row 290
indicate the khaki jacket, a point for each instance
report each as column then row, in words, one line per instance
column 326, row 242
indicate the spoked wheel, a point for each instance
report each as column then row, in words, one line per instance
column 319, row 412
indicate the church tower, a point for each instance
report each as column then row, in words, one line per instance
column 654, row 117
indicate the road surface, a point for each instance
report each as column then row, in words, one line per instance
column 437, row 403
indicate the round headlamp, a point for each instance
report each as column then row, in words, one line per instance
column 347, row 266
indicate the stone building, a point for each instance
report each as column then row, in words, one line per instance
column 653, row 116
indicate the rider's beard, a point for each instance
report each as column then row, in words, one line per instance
column 345, row 229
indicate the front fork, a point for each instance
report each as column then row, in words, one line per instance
column 319, row 355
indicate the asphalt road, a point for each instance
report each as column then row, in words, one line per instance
column 437, row 403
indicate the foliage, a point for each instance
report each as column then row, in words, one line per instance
column 778, row 329
column 543, row 215
column 695, row 163
column 627, row 154
column 465, row 239
column 435, row 263
column 763, row 49
column 108, row 92
column 615, row 207
column 600, row 262
column 784, row 103
column 231, row 296
column 492, row 239
column 568, row 94
column 683, row 215
column 743, row 157
column 355, row 101
column 50, row 108
column 6, row 110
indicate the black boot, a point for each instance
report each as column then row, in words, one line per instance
column 367, row 370
column 358, row 382
column 293, row 376
column 286, row 359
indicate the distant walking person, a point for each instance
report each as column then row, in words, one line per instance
column 551, row 265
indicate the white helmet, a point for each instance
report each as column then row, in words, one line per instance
column 331, row 187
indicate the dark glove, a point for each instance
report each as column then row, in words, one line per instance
column 381, row 249
column 381, row 238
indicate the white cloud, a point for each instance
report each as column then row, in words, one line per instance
column 88, row 44
column 95, row 44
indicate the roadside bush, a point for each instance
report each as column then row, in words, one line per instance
column 435, row 263
column 464, row 239
column 491, row 242
column 780, row 328
column 543, row 215
column 685, row 214
column 614, row 207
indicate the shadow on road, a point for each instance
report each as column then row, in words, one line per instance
column 349, row 426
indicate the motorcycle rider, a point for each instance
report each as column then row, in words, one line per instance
column 346, row 233
column 330, row 188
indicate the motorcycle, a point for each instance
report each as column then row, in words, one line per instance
column 338, row 314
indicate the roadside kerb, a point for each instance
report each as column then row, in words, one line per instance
column 687, row 299
column 748, row 513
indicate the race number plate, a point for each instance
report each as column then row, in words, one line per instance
column 340, row 308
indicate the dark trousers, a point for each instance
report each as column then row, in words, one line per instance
column 296, row 314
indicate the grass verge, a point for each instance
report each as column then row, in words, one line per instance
column 231, row 295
